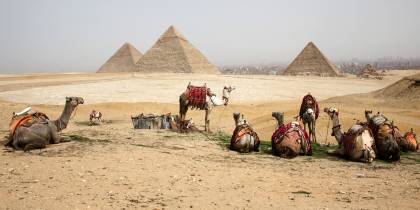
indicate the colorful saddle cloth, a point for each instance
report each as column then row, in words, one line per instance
column 240, row 131
column 349, row 138
column 26, row 120
column 197, row 96
column 309, row 101
column 293, row 133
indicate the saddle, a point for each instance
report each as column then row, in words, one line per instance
column 295, row 135
column 411, row 139
column 26, row 120
column 309, row 101
column 241, row 130
column 349, row 138
column 382, row 127
column 197, row 96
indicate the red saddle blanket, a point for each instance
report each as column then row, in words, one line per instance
column 197, row 96
column 293, row 132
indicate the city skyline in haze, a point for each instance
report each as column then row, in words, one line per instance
column 55, row 36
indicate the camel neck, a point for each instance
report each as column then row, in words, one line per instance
column 64, row 118
column 337, row 129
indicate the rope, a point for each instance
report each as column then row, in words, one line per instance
column 74, row 113
column 326, row 134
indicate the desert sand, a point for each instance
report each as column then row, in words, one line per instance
column 113, row 166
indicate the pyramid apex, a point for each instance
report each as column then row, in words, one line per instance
column 172, row 32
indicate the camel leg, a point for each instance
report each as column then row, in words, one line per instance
column 182, row 111
column 314, row 131
column 31, row 141
column 207, row 120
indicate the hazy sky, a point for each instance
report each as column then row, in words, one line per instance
column 80, row 35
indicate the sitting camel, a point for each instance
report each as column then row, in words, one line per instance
column 36, row 131
column 244, row 138
column 202, row 98
column 289, row 140
column 356, row 144
column 409, row 142
column 308, row 113
column 95, row 118
column 386, row 135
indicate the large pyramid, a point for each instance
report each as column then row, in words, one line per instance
column 311, row 61
column 173, row 53
column 123, row 60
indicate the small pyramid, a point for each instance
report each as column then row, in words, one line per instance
column 311, row 61
column 123, row 60
column 173, row 53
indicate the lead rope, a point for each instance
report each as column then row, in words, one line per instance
column 74, row 113
column 326, row 134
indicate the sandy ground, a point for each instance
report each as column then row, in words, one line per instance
column 116, row 167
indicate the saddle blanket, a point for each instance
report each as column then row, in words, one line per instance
column 240, row 131
column 26, row 120
column 197, row 96
column 292, row 131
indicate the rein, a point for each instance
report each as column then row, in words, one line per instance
column 74, row 113
column 326, row 134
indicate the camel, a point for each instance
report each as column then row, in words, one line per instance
column 308, row 113
column 201, row 98
column 386, row 136
column 244, row 138
column 409, row 142
column 42, row 131
column 289, row 140
column 95, row 118
column 356, row 144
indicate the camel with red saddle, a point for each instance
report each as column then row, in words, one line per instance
column 244, row 138
column 289, row 140
column 308, row 113
column 203, row 99
column 356, row 144
column 35, row 131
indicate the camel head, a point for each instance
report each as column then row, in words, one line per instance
column 331, row 111
column 368, row 114
column 279, row 116
column 74, row 101
column 236, row 117
column 239, row 120
column 226, row 93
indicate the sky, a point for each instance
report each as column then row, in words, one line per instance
column 80, row 35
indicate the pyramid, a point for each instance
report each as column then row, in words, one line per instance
column 173, row 53
column 123, row 60
column 311, row 61
column 368, row 71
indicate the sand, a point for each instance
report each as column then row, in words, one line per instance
column 117, row 167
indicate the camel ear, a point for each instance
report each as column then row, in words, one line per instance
column 67, row 99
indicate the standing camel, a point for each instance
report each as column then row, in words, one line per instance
column 308, row 113
column 201, row 98
column 244, row 138
column 43, row 131
column 357, row 144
